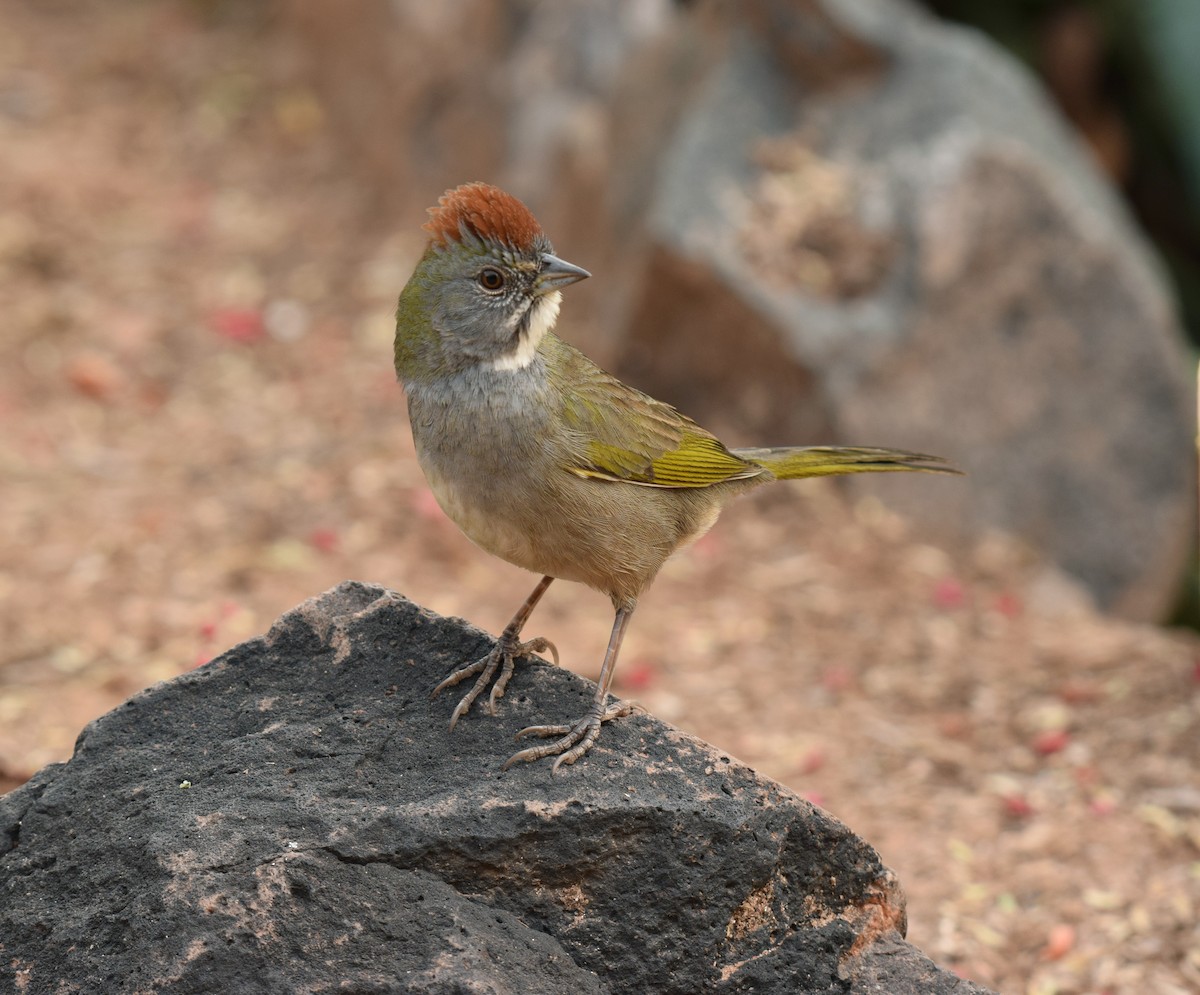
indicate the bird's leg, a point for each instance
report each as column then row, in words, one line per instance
column 503, row 655
column 577, row 739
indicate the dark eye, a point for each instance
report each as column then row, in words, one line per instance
column 491, row 279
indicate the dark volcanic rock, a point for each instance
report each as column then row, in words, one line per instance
column 296, row 817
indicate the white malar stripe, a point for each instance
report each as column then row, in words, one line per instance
column 545, row 314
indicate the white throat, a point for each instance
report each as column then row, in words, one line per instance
column 541, row 320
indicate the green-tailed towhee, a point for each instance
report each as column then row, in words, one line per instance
column 541, row 457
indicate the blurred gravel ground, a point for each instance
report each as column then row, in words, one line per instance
column 199, row 428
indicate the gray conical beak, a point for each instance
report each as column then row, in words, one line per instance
column 556, row 273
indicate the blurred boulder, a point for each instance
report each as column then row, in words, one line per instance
column 814, row 221
column 516, row 92
column 295, row 816
column 932, row 250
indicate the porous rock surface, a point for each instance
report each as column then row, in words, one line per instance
column 295, row 817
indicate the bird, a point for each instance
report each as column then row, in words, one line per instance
column 545, row 460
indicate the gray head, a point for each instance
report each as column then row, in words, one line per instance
column 485, row 292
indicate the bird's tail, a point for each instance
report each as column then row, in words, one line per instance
column 793, row 462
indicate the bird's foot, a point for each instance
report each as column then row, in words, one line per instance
column 575, row 739
column 503, row 657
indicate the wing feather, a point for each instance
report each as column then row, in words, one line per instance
column 618, row 433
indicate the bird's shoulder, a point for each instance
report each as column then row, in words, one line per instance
column 613, row 431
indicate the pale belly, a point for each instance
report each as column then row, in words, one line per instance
column 487, row 527
column 514, row 500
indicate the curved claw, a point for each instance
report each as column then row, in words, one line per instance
column 459, row 675
column 575, row 739
column 510, row 665
column 460, row 709
column 542, row 731
column 541, row 645
column 503, row 657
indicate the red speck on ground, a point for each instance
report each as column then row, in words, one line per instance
column 637, row 676
column 1060, row 942
column 324, row 540
column 812, row 761
column 1050, row 741
column 238, row 324
column 1017, row 806
column 1008, row 604
column 949, row 593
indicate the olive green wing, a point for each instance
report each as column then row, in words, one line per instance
column 614, row 432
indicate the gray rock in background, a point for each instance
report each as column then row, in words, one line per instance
column 295, row 816
column 816, row 221
column 932, row 251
